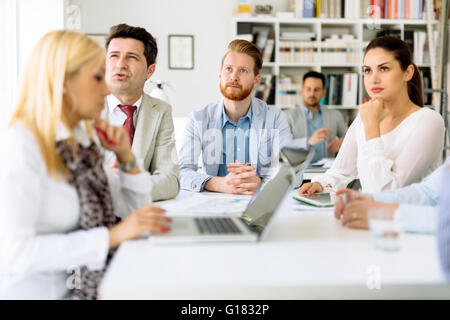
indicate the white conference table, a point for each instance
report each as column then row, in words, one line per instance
column 306, row 255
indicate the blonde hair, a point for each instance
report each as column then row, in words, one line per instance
column 244, row 46
column 57, row 56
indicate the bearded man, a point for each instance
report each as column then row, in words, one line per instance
column 239, row 137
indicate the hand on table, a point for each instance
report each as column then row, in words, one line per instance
column 354, row 213
column 150, row 218
column 310, row 187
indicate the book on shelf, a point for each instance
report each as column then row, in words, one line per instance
column 426, row 84
column 408, row 37
column 260, row 38
column 350, row 89
column 264, row 87
column 351, row 9
column 288, row 93
column 324, row 9
column 299, row 9
column 342, row 89
column 268, row 50
column 401, row 9
column 309, row 9
column 337, row 90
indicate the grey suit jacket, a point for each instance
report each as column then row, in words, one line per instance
column 332, row 119
column 268, row 134
column 154, row 142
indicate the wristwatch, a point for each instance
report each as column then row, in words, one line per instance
column 127, row 166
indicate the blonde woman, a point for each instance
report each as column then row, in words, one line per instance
column 394, row 141
column 60, row 208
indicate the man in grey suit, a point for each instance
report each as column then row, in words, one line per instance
column 312, row 125
column 239, row 137
column 130, row 62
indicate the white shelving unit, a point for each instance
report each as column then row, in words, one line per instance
column 363, row 30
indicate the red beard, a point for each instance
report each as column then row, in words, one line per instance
column 235, row 95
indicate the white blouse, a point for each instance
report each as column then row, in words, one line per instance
column 405, row 155
column 40, row 241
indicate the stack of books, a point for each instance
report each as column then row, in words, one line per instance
column 338, row 50
column 298, row 51
column 288, row 93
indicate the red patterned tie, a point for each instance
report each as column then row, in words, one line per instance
column 128, row 124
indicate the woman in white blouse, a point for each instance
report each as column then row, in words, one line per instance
column 394, row 141
column 42, row 246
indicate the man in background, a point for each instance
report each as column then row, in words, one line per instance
column 313, row 126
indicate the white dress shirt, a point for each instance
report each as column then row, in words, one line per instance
column 403, row 156
column 40, row 239
column 116, row 116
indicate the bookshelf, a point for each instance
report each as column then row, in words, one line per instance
column 336, row 47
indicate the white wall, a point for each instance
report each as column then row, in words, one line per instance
column 22, row 24
column 208, row 20
column 7, row 59
column 34, row 19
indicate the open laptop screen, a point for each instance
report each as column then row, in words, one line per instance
column 266, row 199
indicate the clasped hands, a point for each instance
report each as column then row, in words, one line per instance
column 240, row 179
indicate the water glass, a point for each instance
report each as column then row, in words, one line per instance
column 386, row 229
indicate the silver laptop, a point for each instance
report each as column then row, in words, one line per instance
column 254, row 223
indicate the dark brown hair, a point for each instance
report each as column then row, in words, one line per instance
column 314, row 74
column 244, row 46
column 402, row 54
column 125, row 31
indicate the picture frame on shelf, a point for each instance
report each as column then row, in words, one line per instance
column 181, row 52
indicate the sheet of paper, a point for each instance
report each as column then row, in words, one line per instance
column 207, row 205
column 324, row 163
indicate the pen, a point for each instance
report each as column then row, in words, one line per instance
column 103, row 132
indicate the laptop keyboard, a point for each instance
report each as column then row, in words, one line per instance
column 216, row 226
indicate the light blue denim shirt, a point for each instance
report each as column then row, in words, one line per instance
column 418, row 202
column 316, row 123
column 235, row 140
